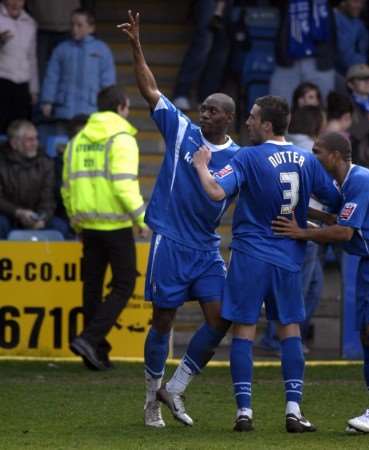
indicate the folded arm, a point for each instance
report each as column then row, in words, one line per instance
column 200, row 161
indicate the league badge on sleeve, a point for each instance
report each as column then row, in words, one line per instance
column 227, row 170
column 347, row 211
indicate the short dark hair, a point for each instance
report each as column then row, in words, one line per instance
column 307, row 120
column 90, row 16
column 110, row 98
column 336, row 142
column 338, row 105
column 301, row 90
column 75, row 124
column 275, row 110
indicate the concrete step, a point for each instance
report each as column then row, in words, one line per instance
column 150, row 142
column 169, row 53
column 136, row 99
column 157, row 11
column 164, row 74
column 146, row 185
column 158, row 33
column 150, row 165
column 141, row 118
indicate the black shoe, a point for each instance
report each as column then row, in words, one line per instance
column 103, row 358
column 83, row 348
column 296, row 424
column 88, row 365
column 106, row 361
column 243, row 423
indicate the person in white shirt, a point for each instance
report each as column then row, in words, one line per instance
column 18, row 63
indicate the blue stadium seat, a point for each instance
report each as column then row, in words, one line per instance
column 53, row 142
column 259, row 61
column 3, row 138
column 35, row 235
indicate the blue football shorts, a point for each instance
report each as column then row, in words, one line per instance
column 251, row 282
column 362, row 294
column 176, row 274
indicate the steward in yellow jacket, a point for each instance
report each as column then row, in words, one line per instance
column 100, row 186
column 102, row 198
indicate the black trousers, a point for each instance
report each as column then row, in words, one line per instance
column 15, row 102
column 101, row 248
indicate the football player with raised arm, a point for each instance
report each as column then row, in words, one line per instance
column 184, row 262
column 352, row 228
column 273, row 178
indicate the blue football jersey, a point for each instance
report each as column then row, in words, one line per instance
column 179, row 207
column 354, row 212
column 274, row 179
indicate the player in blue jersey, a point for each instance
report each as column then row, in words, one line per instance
column 274, row 178
column 334, row 152
column 184, row 262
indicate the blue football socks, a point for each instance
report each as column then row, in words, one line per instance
column 293, row 365
column 156, row 353
column 201, row 347
column 241, row 370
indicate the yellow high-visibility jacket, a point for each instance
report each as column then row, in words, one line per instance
column 100, row 187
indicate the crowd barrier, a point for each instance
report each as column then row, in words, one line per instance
column 41, row 297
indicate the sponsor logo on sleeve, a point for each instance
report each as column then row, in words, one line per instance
column 227, row 170
column 347, row 211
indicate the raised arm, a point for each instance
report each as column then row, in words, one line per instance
column 201, row 160
column 145, row 78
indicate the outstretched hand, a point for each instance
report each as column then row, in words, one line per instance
column 287, row 227
column 131, row 28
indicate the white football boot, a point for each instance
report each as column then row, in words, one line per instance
column 359, row 424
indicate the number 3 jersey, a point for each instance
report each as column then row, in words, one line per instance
column 274, row 179
column 179, row 207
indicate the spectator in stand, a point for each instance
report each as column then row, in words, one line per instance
column 18, row 64
column 357, row 80
column 339, row 113
column 306, row 94
column 305, row 47
column 79, row 68
column 53, row 20
column 26, row 183
column 352, row 35
column 205, row 59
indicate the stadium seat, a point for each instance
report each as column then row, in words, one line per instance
column 35, row 235
column 259, row 61
column 53, row 142
column 3, row 138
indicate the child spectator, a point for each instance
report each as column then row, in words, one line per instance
column 78, row 69
column 53, row 20
column 18, row 63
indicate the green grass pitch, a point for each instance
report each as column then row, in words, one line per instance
column 61, row 405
